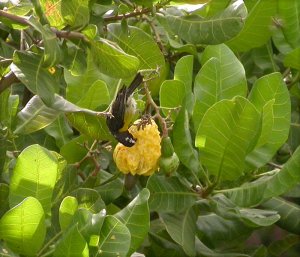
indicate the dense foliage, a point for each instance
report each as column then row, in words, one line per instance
column 221, row 82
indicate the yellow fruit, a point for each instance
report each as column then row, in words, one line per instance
column 143, row 157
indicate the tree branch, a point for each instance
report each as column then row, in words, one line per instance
column 59, row 33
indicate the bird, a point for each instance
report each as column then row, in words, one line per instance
column 122, row 110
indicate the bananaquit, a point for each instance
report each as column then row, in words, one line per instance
column 123, row 109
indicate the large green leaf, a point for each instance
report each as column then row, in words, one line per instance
column 183, row 144
column 257, row 30
column 289, row 213
column 136, row 217
column 289, row 13
column 169, row 194
column 225, row 135
column 72, row 245
column 90, row 125
column 264, row 90
column 75, row 13
column 35, row 116
column 28, row 67
column 35, row 174
column 137, row 43
column 23, row 227
column 112, row 60
column 114, row 238
column 181, row 227
column 222, row 76
column 212, row 30
column 61, row 130
column 171, row 95
column 279, row 247
column 272, row 185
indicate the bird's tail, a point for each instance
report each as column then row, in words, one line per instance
column 138, row 79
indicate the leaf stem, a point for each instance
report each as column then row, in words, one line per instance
column 51, row 241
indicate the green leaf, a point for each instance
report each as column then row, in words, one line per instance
column 75, row 13
column 28, row 67
column 90, row 125
column 95, row 96
column 289, row 14
column 23, row 227
column 288, row 211
column 60, row 130
column 292, row 59
column 266, row 123
column 171, row 95
column 187, row 154
column 52, row 50
column 226, row 209
column 112, row 60
column 35, row 174
column 4, row 191
column 272, row 185
column 169, row 194
column 74, row 60
column 256, row 31
column 74, row 151
column 34, row 116
column 114, row 238
column 264, row 90
column 89, row 225
column 222, row 76
column 72, row 245
column 109, row 189
column 67, row 209
column 202, row 249
column 52, row 11
column 181, row 227
column 210, row 31
column 216, row 229
column 89, row 199
column 136, row 217
column 184, row 71
column 225, row 135
column 79, row 85
column 279, row 247
column 137, row 43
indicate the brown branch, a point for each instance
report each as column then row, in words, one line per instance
column 127, row 15
column 157, row 111
column 136, row 13
column 59, row 33
column 7, row 80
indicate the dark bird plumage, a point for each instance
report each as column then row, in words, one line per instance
column 122, row 110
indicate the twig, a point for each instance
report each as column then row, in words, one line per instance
column 157, row 111
column 59, row 33
column 156, row 35
column 7, row 80
column 136, row 13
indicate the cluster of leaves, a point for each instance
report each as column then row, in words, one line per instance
column 229, row 74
